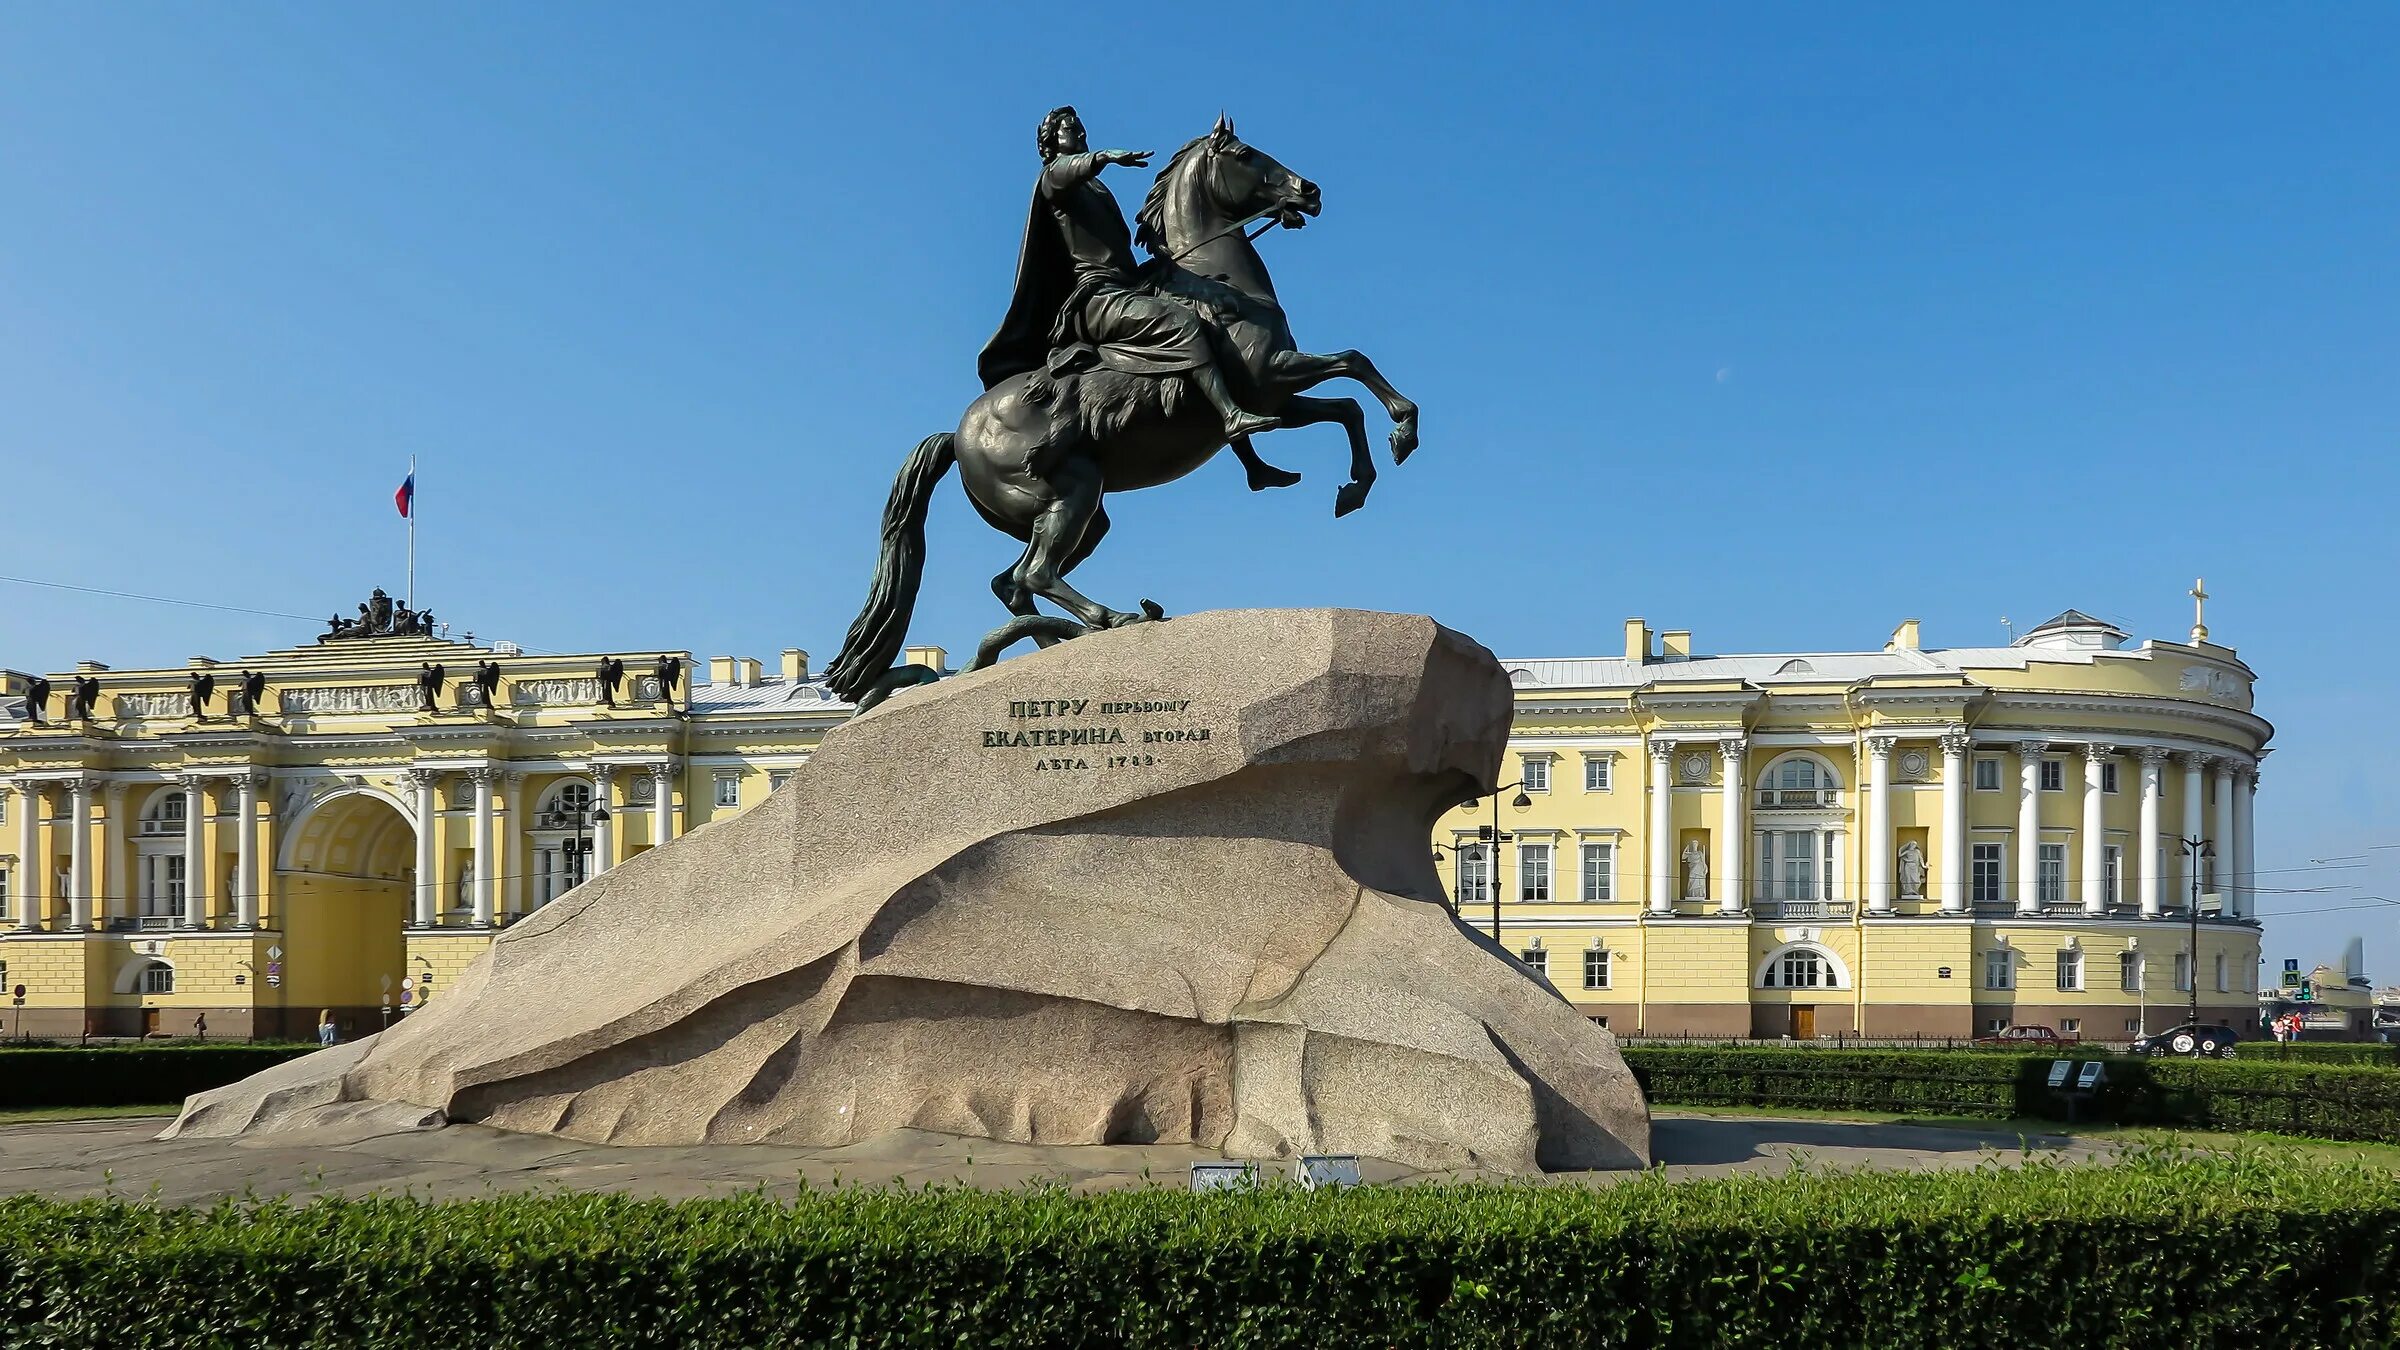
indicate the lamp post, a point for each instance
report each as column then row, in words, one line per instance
column 585, row 816
column 1492, row 837
column 2196, row 851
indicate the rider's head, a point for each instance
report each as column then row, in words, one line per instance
column 1061, row 134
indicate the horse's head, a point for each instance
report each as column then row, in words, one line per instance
column 1216, row 180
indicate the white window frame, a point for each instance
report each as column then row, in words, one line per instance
column 1474, row 874
column 2131, row 967
column 2108, row 777
column 1597, row 968
column 1599, row 773
column 2133, row 1026
column 1995, row 1026
column 1599, row 884
column 1536, row 959
column 2050, row 881
column 729, row 790
column 2053, row 775
column 776, row 778
column 2070, row 1026
column 1998, row 858
column 1535, row 770
column 2224, row 975
column 2000, row 968
column 1987, row 773
column 2070, row 969
column 2112, row 874
column 150, row 984
column 1783, row 963
column 2183, row 972
column 1528, row 874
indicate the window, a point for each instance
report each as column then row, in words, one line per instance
column 2224, row 984
column 777, row 778
column 1595, row 969
column 1599, row 873
column 729, row 790
column 1537, row 959
column 1596, row 773
column 1795, row 865
column 1995, row 1026
column 162, row 888
column 2070, row 968
column 1533, row 872
column 2129, row 972
column 2054, row 775
column 1801, row 968
column 158, row 978
column 2133, row 1026
column 165, row 815
column 1474, row 869
column 2183, row 972
column 1537, row 773
column 2070, row 1026
column 1999, row 970
column 2108, row 776
column 570, row 799
column 2112, row 875
column 1989, row 875
column 1987, row 775
column 2051, row 881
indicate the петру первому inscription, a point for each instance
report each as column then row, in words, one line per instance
column 1090, row 730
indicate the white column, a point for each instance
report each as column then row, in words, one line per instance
column 246, row 847
column 2154, row 786
column 662, row 808
column 604, row 825
column 1731, row 898
column 486, row 855
column 2245, row 842
column 2095, row 829
column 2195, row 797
column 1661, row 849
column 2222, row 835
column 512, row 847
column 2029, row 826
column 429, row 878
column 1879, row 823
column 79, row 863
column 195, row 854
column 117, row 892
column 29, row 861
column 1955, row 745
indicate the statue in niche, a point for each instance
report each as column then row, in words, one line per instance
column 1912, row 871
column 1695, row 871
column 429, row 686
column 85, row 699
column 203, row 688
column 37, row 701
column 612, row 678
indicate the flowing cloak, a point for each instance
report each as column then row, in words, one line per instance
column 1134, row 329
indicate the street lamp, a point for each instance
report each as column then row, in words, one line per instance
column 1492, row 837
column 586, row 818
column 2196, row 851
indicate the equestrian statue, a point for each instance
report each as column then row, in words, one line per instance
column 1109, row 375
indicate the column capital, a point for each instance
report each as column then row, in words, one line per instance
column 1661, row 750
column 2152, row 754
column 514, row 777
column 253, row 779
column 2032, row 749
column 115, row 792
column 425, row 779
column 2249, row 778
column 1956, row 742
column 1733, row 748
column 604, row 774
column 2098, row 754
column 483, row 775
column 82, row 784
column 1881, row 747
column 191, row 782
column 2193, row 760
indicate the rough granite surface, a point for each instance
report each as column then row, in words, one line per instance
column 1165, row 884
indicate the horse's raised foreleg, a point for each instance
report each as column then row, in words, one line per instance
column 1058, row 539
column 1303, row 370
column 1262, row 475
column 1301, row 411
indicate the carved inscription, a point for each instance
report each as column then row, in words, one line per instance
column 152, row 705
column 1071, row 734
column 350, row 698
column 571, row 692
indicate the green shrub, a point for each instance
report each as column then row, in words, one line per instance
column 2248, row 1249
column 1937, row 1082
column 131, row 1075
column 2358, row 1054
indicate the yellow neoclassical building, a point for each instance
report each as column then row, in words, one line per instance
column 1905, row 841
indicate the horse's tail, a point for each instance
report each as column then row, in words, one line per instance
column 881, row 628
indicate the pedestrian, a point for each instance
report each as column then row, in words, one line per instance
column 325, row 1027
column 200, row 1027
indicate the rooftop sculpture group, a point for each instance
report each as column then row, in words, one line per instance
column 1109, row 375
column 380, row 616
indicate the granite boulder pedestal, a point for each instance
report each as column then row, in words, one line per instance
column 1168, row 883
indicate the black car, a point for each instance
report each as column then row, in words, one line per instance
column 2188, row 1039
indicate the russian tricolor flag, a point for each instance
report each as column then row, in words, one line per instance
column 406, row 497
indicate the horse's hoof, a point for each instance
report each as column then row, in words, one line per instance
column 1151, row 613
column 1271, row 477
column 1350, row 498
column 1404, row 441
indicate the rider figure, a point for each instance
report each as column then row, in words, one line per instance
column 1077, row 285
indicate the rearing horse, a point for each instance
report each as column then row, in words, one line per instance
column 1037, row 452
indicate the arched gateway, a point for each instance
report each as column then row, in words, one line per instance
column 343, row 880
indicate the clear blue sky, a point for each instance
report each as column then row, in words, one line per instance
column 1777, row 323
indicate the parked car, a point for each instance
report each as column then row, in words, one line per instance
column 2188, row 1039
column 2029, row 1036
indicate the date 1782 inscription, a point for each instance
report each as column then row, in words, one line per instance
column 1093, row 729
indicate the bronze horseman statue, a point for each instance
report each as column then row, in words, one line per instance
column 1108, row 376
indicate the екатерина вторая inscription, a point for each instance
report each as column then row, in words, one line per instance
column 1093, row 725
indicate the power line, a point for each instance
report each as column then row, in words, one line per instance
column 205, row 604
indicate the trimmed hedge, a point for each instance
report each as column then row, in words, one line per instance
column 2358, row 1054
column 2323, row 1101
column 131, row 1075
column 2160, row 1251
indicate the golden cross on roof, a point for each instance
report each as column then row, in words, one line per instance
column 2199, row 594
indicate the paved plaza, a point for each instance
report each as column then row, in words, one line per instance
column 67, row 1159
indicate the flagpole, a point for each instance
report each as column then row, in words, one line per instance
column 411, row 600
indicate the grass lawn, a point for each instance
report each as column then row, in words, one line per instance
column 2320, row 1150
column 19, row 1115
